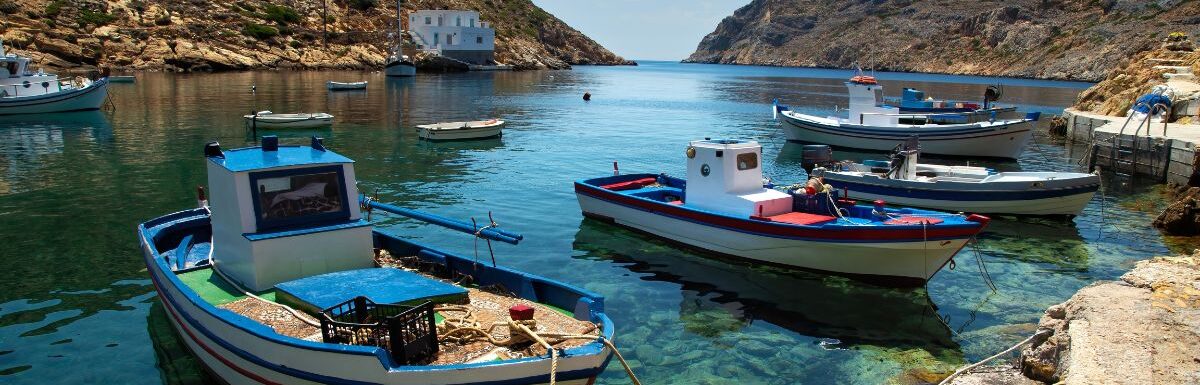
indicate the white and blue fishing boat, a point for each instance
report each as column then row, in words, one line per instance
column 283, row 281
column 23, row 91
column 399, row 64
column 873, row 125
column 903, row 181
column 724, row 207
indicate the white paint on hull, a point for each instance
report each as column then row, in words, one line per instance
column 913, row 260
column 1068, row 205
column 90, row 98
column 1008, row 144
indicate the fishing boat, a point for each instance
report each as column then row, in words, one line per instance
column 724, row 207
column 284, row 280
column 340, row 86
column 268, row 119
column 478, row 129
column 399, row 64
column 902, row 180
column 872, row 125
column 25, row 92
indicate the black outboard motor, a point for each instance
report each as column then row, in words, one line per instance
column 991, row 94
column 813, row 155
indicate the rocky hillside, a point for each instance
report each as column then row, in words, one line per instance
column 1054, row 39
column 198, row 35
column 1138, row 75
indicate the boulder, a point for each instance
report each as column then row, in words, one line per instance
column 1183, row 216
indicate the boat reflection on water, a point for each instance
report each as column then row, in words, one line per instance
column 1036, row 240
column 176, row 365
column 822, row 306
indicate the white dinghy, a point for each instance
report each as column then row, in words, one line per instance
column 340, row 86
column 872, row 125
column 478, row 129
column 903, row 181
column 268, row 119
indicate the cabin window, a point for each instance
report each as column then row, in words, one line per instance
column 299, row 197
column 747, row 161
column 12, row 69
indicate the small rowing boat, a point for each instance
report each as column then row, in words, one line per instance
column 268, row 120
column 724, row 207
column 284, row 280
column 340, row 86
column 872, row 125
column 903, row 181
column 478, row 129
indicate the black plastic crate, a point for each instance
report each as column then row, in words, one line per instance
column 407, row 332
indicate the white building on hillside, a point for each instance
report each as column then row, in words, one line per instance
column 457, row 34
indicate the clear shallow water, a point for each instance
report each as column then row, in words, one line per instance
column 76, row 305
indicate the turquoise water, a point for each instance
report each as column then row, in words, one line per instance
column 76, row 305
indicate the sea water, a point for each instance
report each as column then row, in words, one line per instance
column 76, row 305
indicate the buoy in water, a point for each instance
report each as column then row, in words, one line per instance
column 587, row 96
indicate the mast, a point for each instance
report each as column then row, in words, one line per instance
column 399, row 30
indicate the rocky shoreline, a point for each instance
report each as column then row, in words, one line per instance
column 165, row 35
column 1141, row 329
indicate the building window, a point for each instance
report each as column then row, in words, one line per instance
column 747, row 161
column 458, row 21
column 479, row 40
column 428, row 21
column 449, row 39
column 435, row 39
column 472, row 21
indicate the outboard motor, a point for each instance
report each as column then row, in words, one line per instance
column 991, row 94
column 815, row 154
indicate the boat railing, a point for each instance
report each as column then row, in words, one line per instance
column 487, row 232
column 989, row 115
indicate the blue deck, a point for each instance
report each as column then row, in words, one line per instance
column 254, row 158
column 381, row 285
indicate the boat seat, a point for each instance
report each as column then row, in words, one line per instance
column 798, row 218
column 630, row 185
column 913, row 220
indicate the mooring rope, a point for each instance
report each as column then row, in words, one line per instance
column 1006, row 351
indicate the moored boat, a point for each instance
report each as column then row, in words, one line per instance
column 268, row 119
column 122, row 79
column 872, row 125
column 902, row 180
column 399, row 64
column 25, row 92
column 342, row 86
column 478, row 129
column 283, row 281
column 723, row 207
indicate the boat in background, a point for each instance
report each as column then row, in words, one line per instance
column 269, row 120
column 478, row 129
column 399, row 64
column 122, row 79
column 724, row 207
column 340, row 86
column 872, row 125
column 25, row 92
column 905, row 182
column 283, row 281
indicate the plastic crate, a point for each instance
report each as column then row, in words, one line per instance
column 407, row 332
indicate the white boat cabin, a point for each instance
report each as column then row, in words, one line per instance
column 725, row 176
column 285, row 212
column 17, row 80
column 866, row 103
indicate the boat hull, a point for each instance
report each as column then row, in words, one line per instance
column 240, row 351
column 337, row 86
column 88, row 98
column 460, row 134
column 980, row 198
column 311, row 122
column 400, row 69
column 902, row 263
column 1003, row 139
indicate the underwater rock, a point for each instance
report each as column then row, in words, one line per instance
column 1183, row 216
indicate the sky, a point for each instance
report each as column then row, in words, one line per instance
column 644, row 29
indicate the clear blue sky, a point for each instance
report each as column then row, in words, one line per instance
column 644, row 29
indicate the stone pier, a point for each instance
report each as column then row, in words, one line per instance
column 1163, row 152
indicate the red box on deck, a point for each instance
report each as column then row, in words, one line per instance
column 520, row 312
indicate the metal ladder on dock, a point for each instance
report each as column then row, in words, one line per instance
column 1124, row 152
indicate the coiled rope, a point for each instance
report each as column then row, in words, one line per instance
column 1006, row 351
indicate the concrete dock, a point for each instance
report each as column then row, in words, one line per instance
column 1163, row 152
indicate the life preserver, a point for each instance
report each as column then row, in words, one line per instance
column 863, row 79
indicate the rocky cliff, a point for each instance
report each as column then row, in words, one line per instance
column 1053, row 39
column 195, row 35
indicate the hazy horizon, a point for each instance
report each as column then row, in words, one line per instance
column 661, row 30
